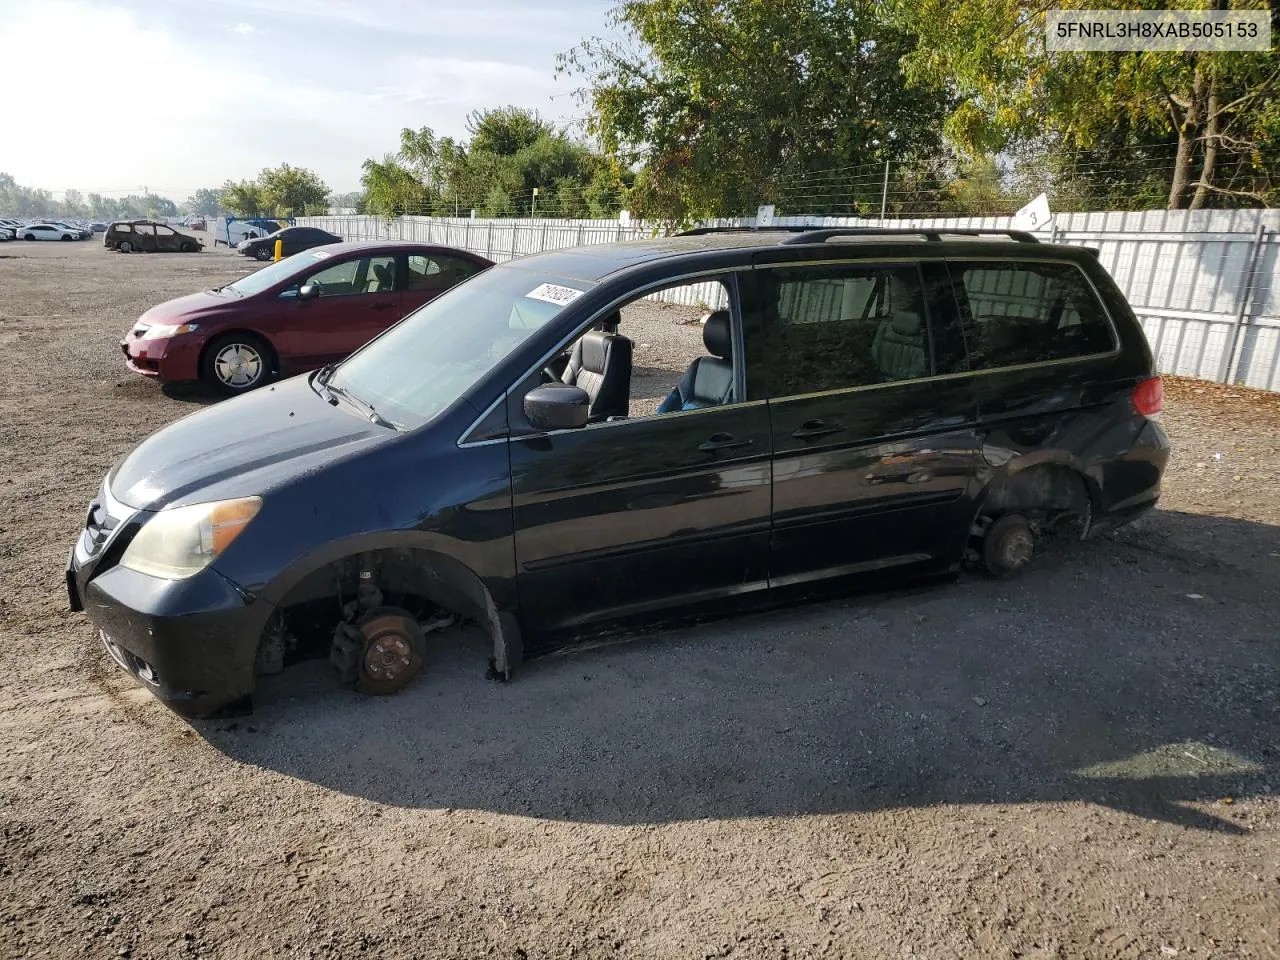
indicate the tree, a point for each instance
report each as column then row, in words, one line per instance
column 724, row 104
column 511, row 153
column 205, row 201
column 291, row 190
column 73, row 205
column 243, row 199
column 1205, row 124
column 347, row 201
column 17, row 200
column 505, row 131
column 102, row 208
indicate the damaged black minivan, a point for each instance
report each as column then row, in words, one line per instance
column 864, row 406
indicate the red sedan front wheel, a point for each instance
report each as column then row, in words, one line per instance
column 237, row 363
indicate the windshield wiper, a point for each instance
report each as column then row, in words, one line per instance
column 334, row 393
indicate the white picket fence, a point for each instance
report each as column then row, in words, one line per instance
column 1204, row 283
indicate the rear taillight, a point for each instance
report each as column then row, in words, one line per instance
column 1148, row 397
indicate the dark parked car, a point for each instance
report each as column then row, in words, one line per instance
column 148, row 236
column 292, row 240
column 870, row 408
column 292, row 316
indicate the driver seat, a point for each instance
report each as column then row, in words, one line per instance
column 381, row 281
column 601, row 365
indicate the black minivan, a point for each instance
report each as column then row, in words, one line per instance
column 865, row 406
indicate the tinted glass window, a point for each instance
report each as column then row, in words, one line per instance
column 1029, row 313
column 340, row 280
column 437, row 272
column 425, row 362
column 830, row 328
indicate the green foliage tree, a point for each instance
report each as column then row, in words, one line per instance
column 724, row 104
column 19, row 201
column 1198, row 126
column 291, row 190
column 353, row 200
column 242, row 199
column 73, row 205
column 205, row 201
column 100, row 207
column 511, row 152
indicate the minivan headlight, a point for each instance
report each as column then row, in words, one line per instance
column 179, row 543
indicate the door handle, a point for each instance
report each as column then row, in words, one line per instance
column 812, row 429
column 722, row 441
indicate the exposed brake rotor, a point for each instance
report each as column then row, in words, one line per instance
column 391, row 652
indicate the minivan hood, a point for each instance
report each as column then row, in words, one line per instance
column 185, row 307
column 242, row 447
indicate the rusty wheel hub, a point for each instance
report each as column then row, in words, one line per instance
column 391, row 655
column 387, row 658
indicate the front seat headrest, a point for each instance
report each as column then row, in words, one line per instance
column 717, row 335
column 610, row 323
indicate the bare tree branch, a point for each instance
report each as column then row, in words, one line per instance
column 1255, row 91
column 1234, row 193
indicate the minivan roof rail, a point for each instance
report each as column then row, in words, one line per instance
column 701, row 231
column 821, row 235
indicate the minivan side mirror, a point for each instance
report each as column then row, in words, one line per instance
column 557, row 406
column 309, row 291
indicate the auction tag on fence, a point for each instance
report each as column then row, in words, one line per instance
column 554, row 294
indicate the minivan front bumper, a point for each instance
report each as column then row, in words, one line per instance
column 190, row 642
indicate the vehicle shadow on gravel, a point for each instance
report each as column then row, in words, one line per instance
column 195, row 393
column 1139, row 672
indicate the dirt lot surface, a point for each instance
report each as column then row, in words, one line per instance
column 1080, row 763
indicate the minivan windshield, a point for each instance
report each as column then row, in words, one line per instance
column 268, row 277
column 431, row 357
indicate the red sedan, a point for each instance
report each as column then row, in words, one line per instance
column 292, row 316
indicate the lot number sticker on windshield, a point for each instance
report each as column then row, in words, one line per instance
column 554, row 294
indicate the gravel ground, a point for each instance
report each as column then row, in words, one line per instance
column 1080, row 763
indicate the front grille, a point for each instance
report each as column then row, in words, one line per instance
column 101, row 524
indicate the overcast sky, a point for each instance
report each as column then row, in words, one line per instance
column 180, row 94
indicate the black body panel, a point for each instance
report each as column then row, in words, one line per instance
column 556, row 534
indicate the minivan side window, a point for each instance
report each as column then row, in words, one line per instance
column 1019, row 313
column 831, row 328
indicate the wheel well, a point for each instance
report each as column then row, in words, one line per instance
column 1052, row 488
column 243, row 332
column 422, row 581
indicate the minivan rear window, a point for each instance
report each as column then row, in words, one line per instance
column 853, row 325
column 1019, row 313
